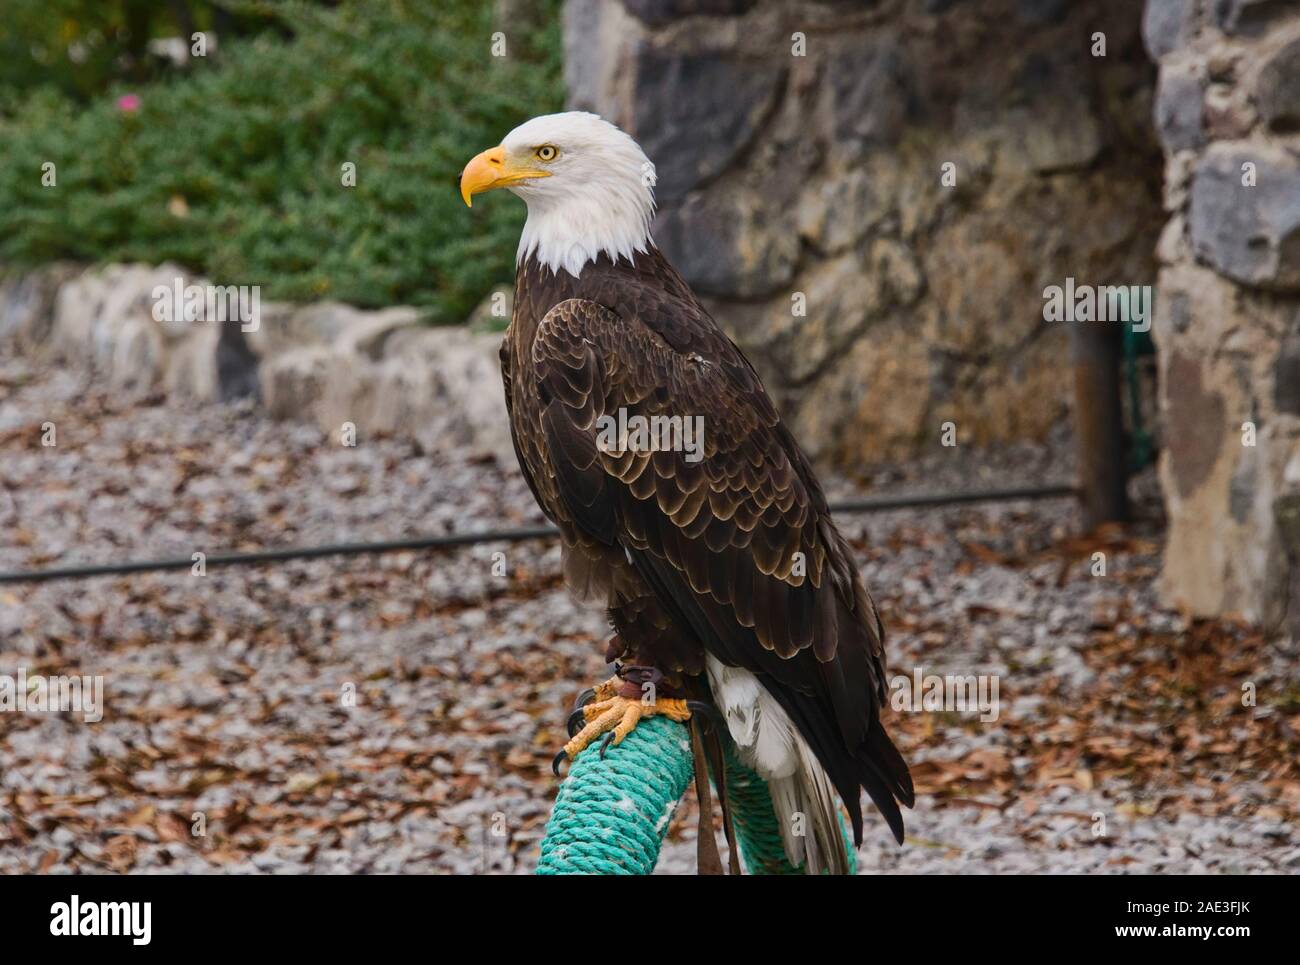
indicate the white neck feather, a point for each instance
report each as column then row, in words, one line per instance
column 567, row 232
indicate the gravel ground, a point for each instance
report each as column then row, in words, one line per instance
column 391, row 713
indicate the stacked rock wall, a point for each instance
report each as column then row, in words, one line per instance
column 801, row 149
column 1228, row 303
column 343, row 368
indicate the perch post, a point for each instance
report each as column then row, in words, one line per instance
column 611, row 815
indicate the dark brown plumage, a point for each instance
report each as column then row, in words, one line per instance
column 696, row 558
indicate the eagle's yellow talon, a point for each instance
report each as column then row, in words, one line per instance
column 620, row 715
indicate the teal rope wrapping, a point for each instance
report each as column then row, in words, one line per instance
column 757, row 830
column 611, row 815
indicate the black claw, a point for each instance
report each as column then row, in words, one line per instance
column 699, row 708
column 560, row 758
column 575, row 722
column 604, row 745
column 584, row 698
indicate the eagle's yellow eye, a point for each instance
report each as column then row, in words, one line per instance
column 547, row 152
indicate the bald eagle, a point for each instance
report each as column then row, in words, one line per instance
column 725, row 578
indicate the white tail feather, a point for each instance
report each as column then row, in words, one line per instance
column 767, row 740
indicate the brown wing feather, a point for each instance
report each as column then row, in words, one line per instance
column 721, row 540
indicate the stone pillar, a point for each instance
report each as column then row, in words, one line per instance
column 1227, row 321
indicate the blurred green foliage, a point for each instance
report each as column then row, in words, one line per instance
column 79, row 47
column 234, row 167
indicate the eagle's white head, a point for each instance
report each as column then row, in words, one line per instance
column 588, row 186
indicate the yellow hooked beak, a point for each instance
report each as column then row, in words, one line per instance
column 492, row 169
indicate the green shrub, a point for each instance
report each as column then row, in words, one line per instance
column 79, row 47
column 235, row 169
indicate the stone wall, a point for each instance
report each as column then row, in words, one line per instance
column 1228, row 303
column 381, row 371
column 819, row 175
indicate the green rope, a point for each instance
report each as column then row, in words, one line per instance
column 756, row 825
column 611, row 815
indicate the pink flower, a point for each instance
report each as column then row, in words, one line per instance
column 128, row 103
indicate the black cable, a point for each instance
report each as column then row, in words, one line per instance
column 449, row 540
column 881, row 503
